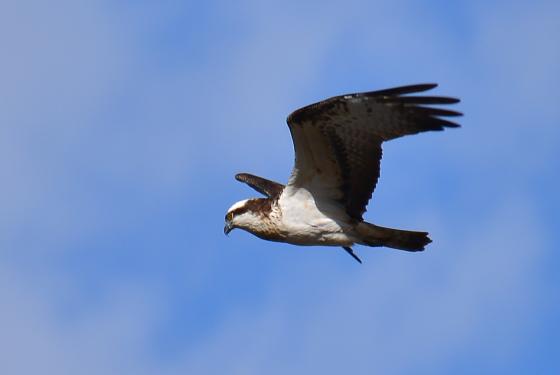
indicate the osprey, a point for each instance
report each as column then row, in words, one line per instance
column 337, row 145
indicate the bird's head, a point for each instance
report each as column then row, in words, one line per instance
column 243, row 215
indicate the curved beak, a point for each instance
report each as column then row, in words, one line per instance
column 228, row 227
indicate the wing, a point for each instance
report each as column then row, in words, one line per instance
column 266, row 187
column 338, row 141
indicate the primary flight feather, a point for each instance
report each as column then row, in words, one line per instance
column 337, row 145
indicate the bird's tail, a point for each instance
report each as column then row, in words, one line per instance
column 373, row 235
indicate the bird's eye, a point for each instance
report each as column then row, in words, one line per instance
column 229, row 216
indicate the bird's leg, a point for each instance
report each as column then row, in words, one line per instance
column 351, row 252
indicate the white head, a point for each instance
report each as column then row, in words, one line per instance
column 246, row 214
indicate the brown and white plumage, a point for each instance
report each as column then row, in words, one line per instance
column 337, row 145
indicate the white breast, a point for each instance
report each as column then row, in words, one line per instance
column 307, row 222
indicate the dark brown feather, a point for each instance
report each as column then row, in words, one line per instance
column 354, row 126
column 418, row 100
column 402, row 90
column 266, row 187
column 260, row 206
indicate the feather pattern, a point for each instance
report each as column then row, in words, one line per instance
column 266, row 187
column 338, row 141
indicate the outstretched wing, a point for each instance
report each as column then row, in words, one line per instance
column 266, row 187
column 338, row 141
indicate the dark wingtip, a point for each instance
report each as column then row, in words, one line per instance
column 402, row 90
column 447, row 99
column 427, row 86
column 419, row 87
column 241, row 177
column 443, row 123
column 420, row 100
column 430, row 111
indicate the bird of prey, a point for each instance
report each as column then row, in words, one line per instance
column 337, row 145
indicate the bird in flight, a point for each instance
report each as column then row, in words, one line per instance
column 337, row 145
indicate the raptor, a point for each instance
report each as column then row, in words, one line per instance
column 337, row 145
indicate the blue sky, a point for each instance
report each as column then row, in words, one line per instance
column 122, row 124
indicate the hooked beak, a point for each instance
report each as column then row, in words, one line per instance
column 228, row 227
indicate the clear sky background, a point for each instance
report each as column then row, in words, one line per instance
column 122, row 124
